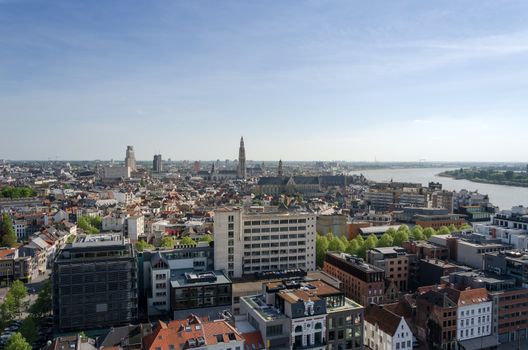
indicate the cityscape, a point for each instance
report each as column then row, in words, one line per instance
column 245, row 175
column 246, row 255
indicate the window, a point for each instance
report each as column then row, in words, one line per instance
column 273, row 330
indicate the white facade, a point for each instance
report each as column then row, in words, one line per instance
column 377, row 339
column 123, row 197
column 135, row 227
column 160, row 282
column 474, row 320
column 246, row 243
column 514, row 236
column 309, row 331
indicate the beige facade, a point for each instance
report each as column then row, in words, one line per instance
column 249, row 241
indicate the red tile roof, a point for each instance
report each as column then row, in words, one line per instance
column 191, row 332
column 5, row 253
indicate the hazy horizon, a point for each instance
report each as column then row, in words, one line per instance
column 392, row 81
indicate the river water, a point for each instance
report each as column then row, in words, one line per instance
column 502, row 196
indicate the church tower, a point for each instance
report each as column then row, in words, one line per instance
column 280, row 173
column 241, row 160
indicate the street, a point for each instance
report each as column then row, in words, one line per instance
column 33, row 287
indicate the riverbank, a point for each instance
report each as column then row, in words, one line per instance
column 503, row 196
column 459, row 176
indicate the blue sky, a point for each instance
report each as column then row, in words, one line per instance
column 301, row 80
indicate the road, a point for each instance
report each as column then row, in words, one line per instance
column 33, row 287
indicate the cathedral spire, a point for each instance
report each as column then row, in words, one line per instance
column 241, row 160
column 280, row 173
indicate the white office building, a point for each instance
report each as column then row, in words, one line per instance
column 258, row 239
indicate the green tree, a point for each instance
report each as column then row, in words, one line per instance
column 391, row 231
column 28, row 330
column 142, row 245
column 372, row 241
column 360, row 240
column 7, row 310
column 42, row 306
column 187, row 240
column 17, row 342
column 400, row 237
column 17, row 192
column 443, row 231
column 336, row 245
column 352, row 247
column 329, row 236
column 404, row 228
column 418, row 233
column 85, row 223
column 9, row 237
column 428, row 232
column 386, row 240
column 167, row 242
column 207, row 238
column 369, row 243
column 466, row 227
column 344, row 239
column 321, row 247
column 71, row 239
column 19, row 292
column 452, row 228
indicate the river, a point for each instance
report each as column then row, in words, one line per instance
column 502, row 196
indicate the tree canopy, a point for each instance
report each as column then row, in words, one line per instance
column 167, row 242
column 91, row 225
column 187, row 240
column 7, row 231
column 207, row 238
column 443, row 231
column 336, row 245
column 17, row 192
column 386, row 240
column 17, row 342
column 142, row 245
column 42, row 306
column 321, row 247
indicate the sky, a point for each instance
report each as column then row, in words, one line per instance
column 300, row 80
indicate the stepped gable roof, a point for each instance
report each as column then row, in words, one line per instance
column 386, row 320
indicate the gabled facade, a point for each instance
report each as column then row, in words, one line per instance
column 384, row 330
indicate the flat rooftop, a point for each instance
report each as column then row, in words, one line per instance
column 184, row 278
column 96, row 240
column 263, row 310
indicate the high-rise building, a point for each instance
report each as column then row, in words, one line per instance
column 259, row 240
column 130, row 159
column 95, row 284
column 157, row 164
column 242, row 160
